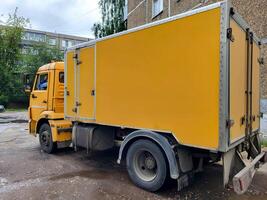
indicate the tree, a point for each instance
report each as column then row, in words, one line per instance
column 112, row 18
column 13, row 64
column 39, row 55
column 10, row 39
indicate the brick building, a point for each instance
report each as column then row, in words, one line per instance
column 139, row 12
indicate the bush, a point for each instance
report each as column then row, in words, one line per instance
column 3, row 100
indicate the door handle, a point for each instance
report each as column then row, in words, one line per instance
column 33, row 96
column 92, row 92
column 44, row 101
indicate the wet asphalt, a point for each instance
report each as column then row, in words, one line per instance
column 28, row 173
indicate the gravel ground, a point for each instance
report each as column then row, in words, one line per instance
column 28, row 173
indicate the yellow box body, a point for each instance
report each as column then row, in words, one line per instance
column 164, row 77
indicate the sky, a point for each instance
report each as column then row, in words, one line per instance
column 73, row 17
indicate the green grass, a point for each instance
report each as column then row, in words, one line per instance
column 264, row 143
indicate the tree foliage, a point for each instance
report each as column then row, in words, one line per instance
column 10, row 39
column 13, row 64
column 112, row 18
column 39, row 55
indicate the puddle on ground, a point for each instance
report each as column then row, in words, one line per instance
column 93, row 174
column 14, row 121
column 4, row 117
column 10, row 119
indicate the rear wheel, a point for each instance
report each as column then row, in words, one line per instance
column 46, row 140
column 146, row 165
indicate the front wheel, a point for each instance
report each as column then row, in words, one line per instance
column 146, row 165
column 46, row 140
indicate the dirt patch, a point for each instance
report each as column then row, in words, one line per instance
column 28, row 173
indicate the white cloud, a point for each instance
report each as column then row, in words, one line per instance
column 74, row 17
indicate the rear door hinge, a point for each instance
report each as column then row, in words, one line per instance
column 230, row 123
column 76, row 57
column 243, row 120
column 74, row 110
column 230, row 34
column 78, row 62
column 78, row 104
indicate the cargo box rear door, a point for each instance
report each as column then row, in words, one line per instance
column 238, row 81
column 255, row 87
column 86, row 84
column 70, row 79
column 243, row 82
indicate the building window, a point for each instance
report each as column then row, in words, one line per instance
column 24, row 51
column 64, row 43
column 27, row 50
column 40, row 37
column 37, row 37
column 67, row 43
column 31, row 36
column 71, row 43
column 25, row 36
column 52, row 41
column 157, row 7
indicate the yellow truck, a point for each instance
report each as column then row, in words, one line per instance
column 173, row 95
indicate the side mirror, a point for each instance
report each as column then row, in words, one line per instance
column 27, row 83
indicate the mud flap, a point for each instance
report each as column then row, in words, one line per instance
column 242, row 180
column 185, row 180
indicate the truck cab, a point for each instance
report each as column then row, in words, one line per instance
column 46, row 109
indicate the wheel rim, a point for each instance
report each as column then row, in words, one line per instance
column 45, row 138
column 145, row 165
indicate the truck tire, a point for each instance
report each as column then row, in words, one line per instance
column 146, row 165
column 45, row 139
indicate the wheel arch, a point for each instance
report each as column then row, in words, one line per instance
column 40, row 123
column 160, row 140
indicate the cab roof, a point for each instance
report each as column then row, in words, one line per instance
column 52, row 66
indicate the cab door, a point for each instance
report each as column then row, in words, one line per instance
column 39, row 95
